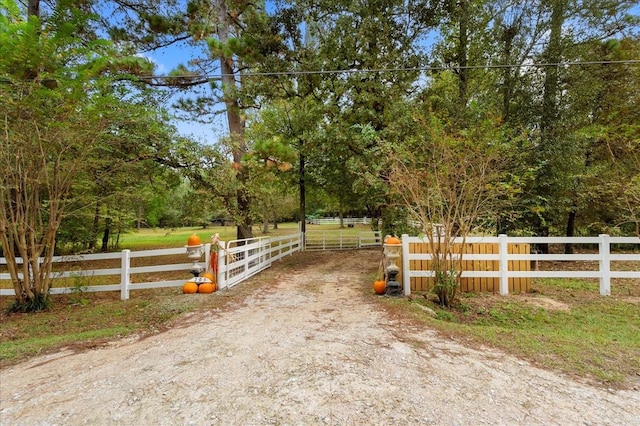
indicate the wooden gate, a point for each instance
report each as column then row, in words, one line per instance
column 469, row 263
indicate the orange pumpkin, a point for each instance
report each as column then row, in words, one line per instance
column 194, row 240
column 209, row 276
column 206, row 288
column 379, row 286
column 190, row 287
column 393, row 240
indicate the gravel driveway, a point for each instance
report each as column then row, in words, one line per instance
column 306, row 348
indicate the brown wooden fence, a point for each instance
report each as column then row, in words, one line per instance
column 474, row 284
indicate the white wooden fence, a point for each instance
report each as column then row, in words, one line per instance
column 241, row 259
column 237, row 262
column 603, row 259
column 341, row 240
column 336, row 221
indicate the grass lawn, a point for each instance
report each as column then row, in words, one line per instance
column 164, row 238
column 564, row 325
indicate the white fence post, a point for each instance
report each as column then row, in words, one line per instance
column 125, row 276
column 207, row 257
column 504, row 264
column 222, row 271
column 605, row 265
column 406, row 279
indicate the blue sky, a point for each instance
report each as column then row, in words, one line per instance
column 168, row 59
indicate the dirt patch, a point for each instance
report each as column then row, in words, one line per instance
column 631, row 299
column 544, row 302
column 311, row 347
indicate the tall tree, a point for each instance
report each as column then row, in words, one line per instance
column 77, row 131
column 560, row 155
column 606, row 128
column 359, row 44
column 451, row 184
column 54, row 114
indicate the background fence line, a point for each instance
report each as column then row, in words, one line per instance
column 412, row 269
column 336, row 220
column 341, row 240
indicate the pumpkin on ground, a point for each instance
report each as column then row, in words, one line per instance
column 194, row 240
column 379, row 286
column 190, row 287
column 206, row 288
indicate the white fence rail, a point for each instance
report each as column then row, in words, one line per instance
column 242, row 259
column 341, row 240
column 336, row 221
column 604, row 259
column 238, row 263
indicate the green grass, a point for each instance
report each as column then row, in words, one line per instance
column 177, row 237
column 564, row 326
column 22, row 348
column 100, row 317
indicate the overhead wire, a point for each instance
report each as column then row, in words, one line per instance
column 210, row 77
column 385, row 70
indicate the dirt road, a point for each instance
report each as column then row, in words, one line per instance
column 308, row 348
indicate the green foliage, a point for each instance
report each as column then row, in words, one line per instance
column 79, row 288
column 443, row 315
column 446, row 286
column 38, row 303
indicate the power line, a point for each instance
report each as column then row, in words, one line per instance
column 384, row 70
column 203, row 78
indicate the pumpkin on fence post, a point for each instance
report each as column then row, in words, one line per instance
column 193, row 240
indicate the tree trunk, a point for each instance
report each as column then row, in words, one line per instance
column 302, row 187
column 105, row 234
column 94, row 227
column 265, row 220
column 463, row 41
column 508, row 34
column 34, row 8
column 571, row 226
column 553, row 55
column 549, row 125
column 139, row 221
column 236, row 124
